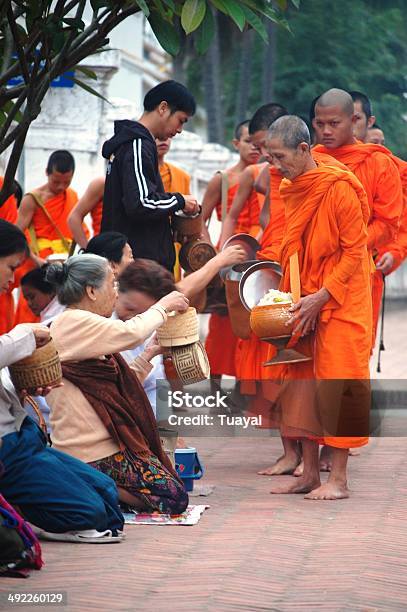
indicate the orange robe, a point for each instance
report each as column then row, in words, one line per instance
column 221, row 343
column 48, row 240
column 8, row 212
column 327, row 213
column 96, row 215
column 397, row 246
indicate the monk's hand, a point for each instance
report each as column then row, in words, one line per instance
column 174, row 302
column 385, row 263
column 232, row 255
column 306, row 312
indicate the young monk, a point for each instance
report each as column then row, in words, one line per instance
column 391, row 254
column 221, row 341
column 375, row 135
column 8, row 212
column 326, row 216
column 90, row 203
column 44, row 214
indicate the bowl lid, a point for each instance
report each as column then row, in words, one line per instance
column 246, row 241
column 257, row 280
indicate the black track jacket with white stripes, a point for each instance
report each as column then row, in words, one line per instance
column 134, row 201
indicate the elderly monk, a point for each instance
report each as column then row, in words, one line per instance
column 222, row 188
column 391, row 254
column 326, row 215
column 44, row 213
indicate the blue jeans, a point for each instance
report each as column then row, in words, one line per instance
column 53, row 490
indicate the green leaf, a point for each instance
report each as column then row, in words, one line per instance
column 256, row 23
column 8, row 107
column 192, row 15
column 143, row 5
column 204, row 35
column 296, row 3
column 282, row 4
column 3, row 117
column 72, row 22
column 233, row 9
column 166, row 33
column 87, row 72
column 171, row 4
column 90, row 90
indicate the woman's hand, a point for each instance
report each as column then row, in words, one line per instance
column 306, row 311
column 152, row 349
column 40, row 390
column 41, row 333
column 174, row 301
column 231, row 255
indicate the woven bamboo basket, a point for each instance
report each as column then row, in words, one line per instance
column 41, row 369
column 191, row 363
column 179, row 329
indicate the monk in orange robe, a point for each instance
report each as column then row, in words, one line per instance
column 221, row 341
column 90, row 203
column 390, row 255
column 48, row 230
column 326, row 212
column 8, row 212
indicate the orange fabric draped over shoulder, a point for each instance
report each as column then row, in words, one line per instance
column 8, row 212
column 326, row 216
column 374, row 167
column 175, row 179
column 59, row 208
column 221, row 343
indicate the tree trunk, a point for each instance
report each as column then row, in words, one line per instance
column 213, row 90
column 245, row 66
column 269, row 62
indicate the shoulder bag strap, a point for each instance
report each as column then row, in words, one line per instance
column 40, row 205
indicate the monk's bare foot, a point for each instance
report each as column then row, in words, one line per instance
column 296, row 485
column 325, row 459
column 354, row 452
column 299, row 470
column 330, row 490
column 284, row 465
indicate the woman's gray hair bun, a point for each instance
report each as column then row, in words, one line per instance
column 71, row 278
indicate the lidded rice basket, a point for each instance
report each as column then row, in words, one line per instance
column 188, row 226
column 191, row 363
column 179, row 329
column 195, row 254
column 41, row 369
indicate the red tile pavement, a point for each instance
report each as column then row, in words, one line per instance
column 251, row 550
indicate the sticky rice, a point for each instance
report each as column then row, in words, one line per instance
column 274, row 296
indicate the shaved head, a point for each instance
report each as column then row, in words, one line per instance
column 291, row 130
column 337, row 97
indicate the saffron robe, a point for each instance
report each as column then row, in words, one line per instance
column 326, row 215
column 8, row 212
column 48, row 240
column 221, row 343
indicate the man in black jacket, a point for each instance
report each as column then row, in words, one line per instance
column 134, row 200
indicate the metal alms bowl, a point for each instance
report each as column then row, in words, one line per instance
column 247, row 242
column 257, row 280
column 235, row 272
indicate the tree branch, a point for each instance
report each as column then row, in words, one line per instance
column 12, row 114
column 12, row 165
column 20, row 51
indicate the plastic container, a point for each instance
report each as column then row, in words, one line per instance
column 188, row 466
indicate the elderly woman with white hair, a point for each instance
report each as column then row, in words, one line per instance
column 102, row 414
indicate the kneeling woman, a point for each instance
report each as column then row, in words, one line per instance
column 102, row 414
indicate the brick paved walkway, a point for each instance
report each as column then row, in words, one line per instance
column 251, row 550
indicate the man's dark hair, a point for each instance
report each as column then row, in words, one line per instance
column 265, row 115
column 358, row 96
column 312, row 109
column 61, row 161
column 12, row 240
column 376, row 126
column 238, row 128
column 109, row 245
column 36, row 278
column 177, row 96
column 147, row 276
